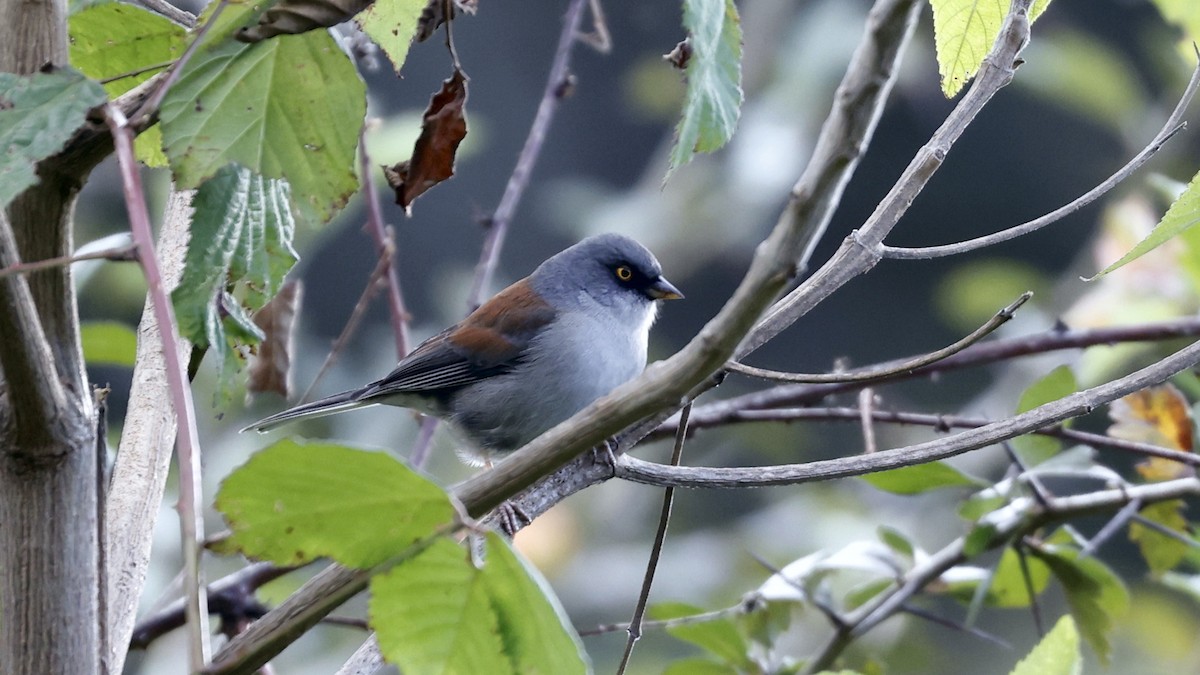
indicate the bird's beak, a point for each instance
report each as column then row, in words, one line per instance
column 662, row 289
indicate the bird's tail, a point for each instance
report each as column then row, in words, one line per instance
column 320, row 408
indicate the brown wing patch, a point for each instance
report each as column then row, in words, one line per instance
column 501, row 329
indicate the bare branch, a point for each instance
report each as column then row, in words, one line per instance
column 144, row 456
column 1019, row 517
column 1057, row 338
column 149, row 108
column 35, row 393
column 1074, row 405
column 385, row 244
column 892, row 368
column 121, row 254
column 1172, row 126
column 517, row 182
column 191, row 506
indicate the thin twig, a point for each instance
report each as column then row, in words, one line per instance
column 420, row 451
column 190, row 506
column 356, row 315
column 947, row 623
column 137, row 71
column 1074, row 405
column 892, row 368
column 448, row 12
column 1034, row 608
column 660, row 536
column 938, row 422
column 385, row 244
column 866, row 408
column 691, row 619
column 166, row 9
column 120, row 254
column 1054, row 339
column 1010, row 521
column 1166, row 531
column 1114, row 525
column 1172, row 126
column 150, row 107
column 517, row 182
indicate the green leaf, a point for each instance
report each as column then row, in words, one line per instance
column 290, row 107
column 1162, row 553
column 1060, row 382
column 1057, row 653
column 439, row 613
column 38, row 115
column 293, row 502
column 978, row 538
column 242, row 235
column 1008, row 587
column 115, row 39
column 1182, row 13
column 911, row 480
column 392, row 26
column 109, row 343
column 964, row 31
column 1096, row 595
column 719, row 637
column 1179, row 219
column 714, row 79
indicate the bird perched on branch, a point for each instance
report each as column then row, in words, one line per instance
column 532, row 356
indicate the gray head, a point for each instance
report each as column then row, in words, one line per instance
column 612, row 269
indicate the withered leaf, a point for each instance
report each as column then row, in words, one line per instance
column 1158, row 415
column 292, row 17
column 434, row 15
column 443, row 128
column 271, row 368
column 680, row 55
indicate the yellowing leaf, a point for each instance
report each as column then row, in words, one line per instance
column 1158, row 415
column 964, row 31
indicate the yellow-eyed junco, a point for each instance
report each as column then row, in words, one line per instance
column 532, row 356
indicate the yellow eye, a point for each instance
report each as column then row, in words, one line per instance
column 624, row 273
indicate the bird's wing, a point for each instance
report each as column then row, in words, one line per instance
column 491, row 341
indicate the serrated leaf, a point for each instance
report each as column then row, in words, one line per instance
column 1034, row 449
column 964, row 31
column 241, row 239
column 286, row 108
column 911, row 480
column 1161, row 552
column 1096, row 595
column 714, row 79
column 293, row 502
column 1177, row 221
column 439, row 613
column 108, row 343
column 1057, row 653
column 392, row 26
column 719, row 637
column 116, row 39
column 38, row 115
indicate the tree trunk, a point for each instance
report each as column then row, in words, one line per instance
column 49, row 542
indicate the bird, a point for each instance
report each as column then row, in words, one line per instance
column 530, row 357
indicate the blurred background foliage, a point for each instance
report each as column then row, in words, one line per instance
column 1099, row 78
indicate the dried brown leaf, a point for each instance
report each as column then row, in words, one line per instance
column 443, row 128
column 1158, row 415
column 291, row 17
column 271, row 368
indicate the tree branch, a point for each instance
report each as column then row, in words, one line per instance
column 1020, row 517
column 1172, row 126
column 144, row 456
column 895, row 368
column 1076, row 404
